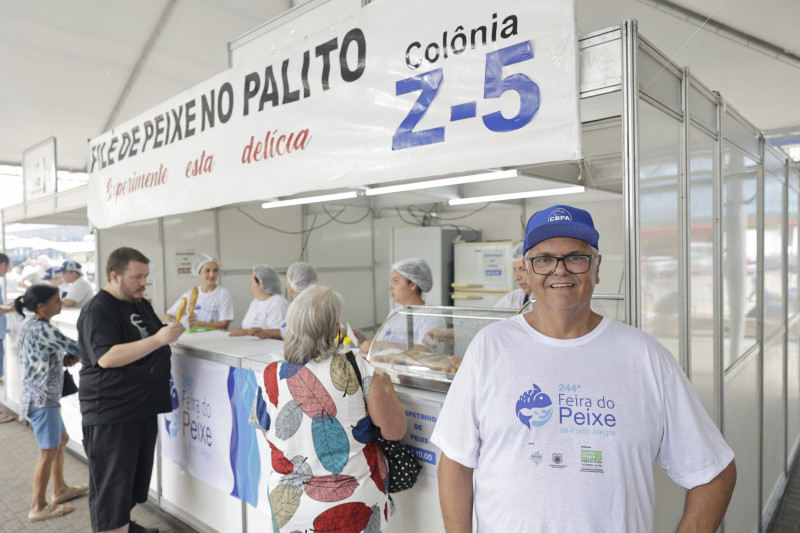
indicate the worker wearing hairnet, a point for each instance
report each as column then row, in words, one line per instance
column 299, row 276
column 409, row 280
column 268, row 308
column 521, row 295
column 214, row 307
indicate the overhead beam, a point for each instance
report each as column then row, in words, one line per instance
column 726, row 31
column 137, row 68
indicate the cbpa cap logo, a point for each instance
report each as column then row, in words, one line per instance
column 557, row 215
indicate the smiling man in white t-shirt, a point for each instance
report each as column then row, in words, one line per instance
column 557, row 415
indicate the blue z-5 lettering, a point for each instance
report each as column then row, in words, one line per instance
column 404, row 137
column 495, row 85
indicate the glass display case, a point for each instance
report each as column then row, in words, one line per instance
column 422, row 346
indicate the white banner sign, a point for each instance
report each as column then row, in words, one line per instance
column 402, row 89
column 207, row 434
column 39, row 169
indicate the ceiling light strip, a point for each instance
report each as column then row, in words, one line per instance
column 514, row 196
column 457, row 180
column 311, row 199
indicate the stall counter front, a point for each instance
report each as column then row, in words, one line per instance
column 417, row 509
column 213, row 468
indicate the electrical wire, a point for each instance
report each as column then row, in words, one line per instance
column 399, row 214
column 369, row 212
column 306, row 239
column 468, row 214
column 285, row 232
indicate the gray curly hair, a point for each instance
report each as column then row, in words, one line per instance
column 311, row 325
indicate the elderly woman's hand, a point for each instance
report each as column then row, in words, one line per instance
column 238, row 332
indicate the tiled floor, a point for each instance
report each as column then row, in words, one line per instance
column 18, row 455
column 787, row 519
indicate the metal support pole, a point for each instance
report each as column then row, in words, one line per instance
column 630, row 176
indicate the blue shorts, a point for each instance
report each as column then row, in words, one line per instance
column 47, row 426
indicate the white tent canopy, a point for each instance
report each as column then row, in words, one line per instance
column 35, row 244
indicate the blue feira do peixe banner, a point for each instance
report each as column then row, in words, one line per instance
column 207, row 434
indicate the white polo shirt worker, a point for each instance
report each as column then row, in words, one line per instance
column 558, row 414
column 75, row 289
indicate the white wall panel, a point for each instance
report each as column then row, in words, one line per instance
column 382, row 233
column 197, row 503
column 793, row 392
column 189, row 231
column 245, row 239
column 340, row 244
column 774, row 426
column 741, row 422
column 498, row 223
column 382, row 298
column 356, row 287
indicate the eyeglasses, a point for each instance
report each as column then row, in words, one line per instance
column 544, row 265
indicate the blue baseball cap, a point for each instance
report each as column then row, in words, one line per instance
column 560, row 221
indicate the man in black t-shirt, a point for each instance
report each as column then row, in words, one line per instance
column 124, row 384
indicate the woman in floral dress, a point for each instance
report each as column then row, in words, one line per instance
column 327, row 472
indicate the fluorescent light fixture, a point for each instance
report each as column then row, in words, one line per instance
column 516, row 195
column 310, row 199
column 457, row 180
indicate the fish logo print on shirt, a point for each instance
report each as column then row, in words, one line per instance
column 138, row 322
column 534, row 408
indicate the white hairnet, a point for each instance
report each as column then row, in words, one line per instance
column 200, row 260
column 516, row 252
column 268, row 278
column 416, row 270
column 301, row 275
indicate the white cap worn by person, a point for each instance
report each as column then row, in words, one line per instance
column 300, row 275
column 268, row 278
column 200, row 260
column 416, row 270
column 71, row 265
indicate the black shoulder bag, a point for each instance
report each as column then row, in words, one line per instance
column 403, row 467
column 69, row 384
